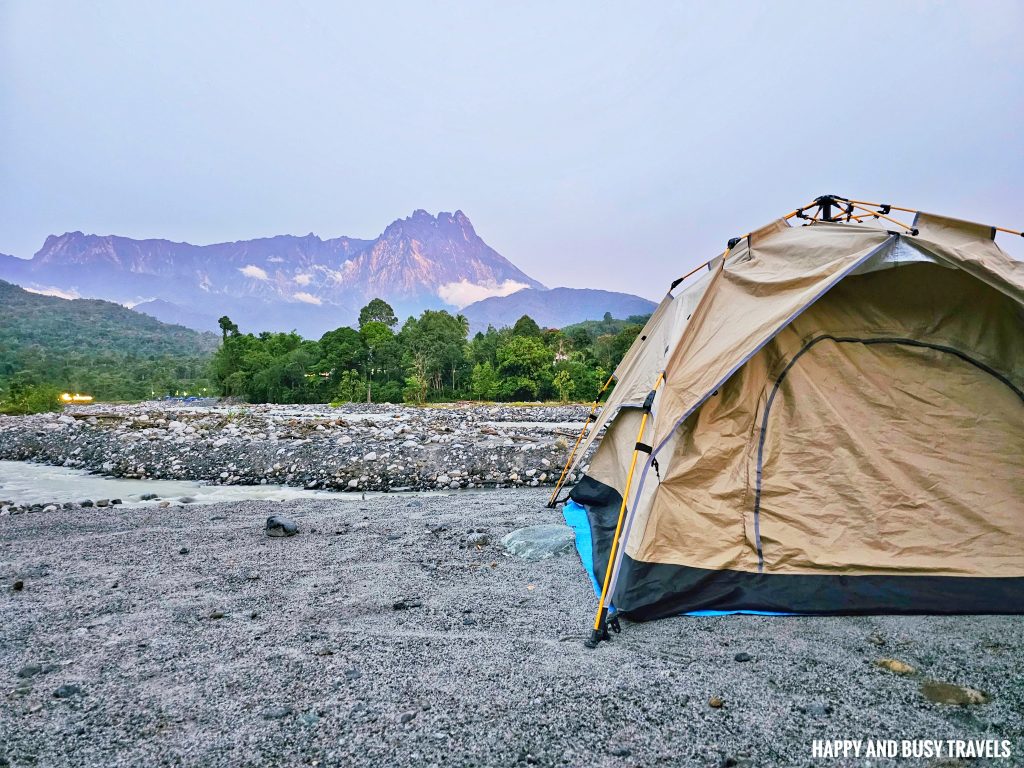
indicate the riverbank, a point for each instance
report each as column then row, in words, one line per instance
column 354, row 447
column 386, row 633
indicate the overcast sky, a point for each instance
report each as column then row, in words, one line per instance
column 593, row 145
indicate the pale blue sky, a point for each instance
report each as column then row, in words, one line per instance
column 595, row 145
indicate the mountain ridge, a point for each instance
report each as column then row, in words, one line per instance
column 286, row 282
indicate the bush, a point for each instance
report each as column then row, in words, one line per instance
column 35, row 398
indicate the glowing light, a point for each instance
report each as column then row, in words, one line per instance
column 67, row 397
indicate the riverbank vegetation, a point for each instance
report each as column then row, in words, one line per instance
column 50, row 345
column 430, row 358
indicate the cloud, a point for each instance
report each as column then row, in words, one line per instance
column 303, row 279
column 463, row 293
column 275, row 260
column 72, row 294
column 308, row 298
column 251, row 270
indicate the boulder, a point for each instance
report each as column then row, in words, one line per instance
column 280, row 526
column 539, row 542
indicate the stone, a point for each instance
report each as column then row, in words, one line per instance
column 407, row 717
column 715, row 702
column 277, row 712
column 742, row 657
column 539, row 542
column 406, row 603
column 183, row 551
column 895, row 666
column 18, row 585
column 67, row 691
column 103, row 503
column 371, row 456
column 946, row 693
column 30, row 670
column 621, row 751
column 279, row 526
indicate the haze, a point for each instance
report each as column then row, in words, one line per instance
column 594, row 146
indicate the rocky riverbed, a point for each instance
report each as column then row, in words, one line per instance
column 350, row 448
column 397, row 631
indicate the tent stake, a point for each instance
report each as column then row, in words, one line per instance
column 600, row 631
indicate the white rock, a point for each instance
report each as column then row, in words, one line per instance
column 371, row 456
column 353, row 483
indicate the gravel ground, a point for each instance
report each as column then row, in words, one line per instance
column 355, row 447
column 377, row 637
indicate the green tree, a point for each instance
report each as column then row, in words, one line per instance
column 526, row 326
column 485, row 382
column 565, row 385
column 226, row 327
column 377, row 311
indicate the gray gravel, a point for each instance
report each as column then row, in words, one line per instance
column 381, row 636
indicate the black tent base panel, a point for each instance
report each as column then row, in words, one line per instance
column 654, row 590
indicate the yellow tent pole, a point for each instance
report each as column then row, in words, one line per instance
column 579, row 439
column 600, row 631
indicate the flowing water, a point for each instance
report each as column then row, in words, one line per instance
column 25, row 483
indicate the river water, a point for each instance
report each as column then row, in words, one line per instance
column 25, row 483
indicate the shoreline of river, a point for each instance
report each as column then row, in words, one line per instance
column 353, row 448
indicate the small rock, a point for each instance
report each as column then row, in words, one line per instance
column 103, row 503
column 86, row 504
column 715, row 703
column 30, row 670
column 18, row 585
column 277, row 712
column 895, row 666
column 148, row 497
column 309, row 719
column 217, row 615
column 876, row 639
column 742, row 657
column 371, row 456
column 539, row 542
column 407, row 717
column 353, row 674
column 817, row 709
column 621, row 751
column 67, row 691
column 183, row 551
column 279, row 526
column 406, row 603
column 945, row 693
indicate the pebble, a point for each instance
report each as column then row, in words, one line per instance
column 277, row 712
column 279, row 526
column 743, row 657
column 67, row 691
column 895, row 666
column 715, row 702
column 18, row 585
column 407, row 717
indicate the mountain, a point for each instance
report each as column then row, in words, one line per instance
column 95, row 346
column 306, row 283
column 282, row 282
column 554, row 308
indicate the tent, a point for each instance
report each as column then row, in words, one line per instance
column 826, row 419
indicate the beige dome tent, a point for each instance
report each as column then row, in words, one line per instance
column 829, row 419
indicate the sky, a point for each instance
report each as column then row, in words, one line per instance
column 594, row 145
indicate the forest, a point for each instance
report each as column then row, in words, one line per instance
column 430, row 358
column 50, row 345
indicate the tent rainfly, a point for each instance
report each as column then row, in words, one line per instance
column 828, row 419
